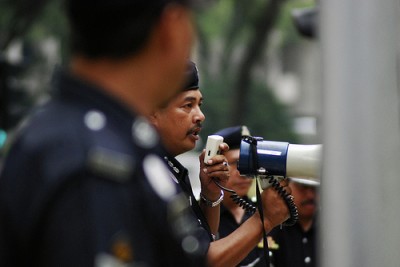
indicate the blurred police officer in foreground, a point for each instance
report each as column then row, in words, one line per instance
column 82, row 184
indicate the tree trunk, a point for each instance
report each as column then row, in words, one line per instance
column 262, row 26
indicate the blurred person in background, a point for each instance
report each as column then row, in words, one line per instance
column 179, row 124
column 295, row 246
column 83, row 183
column 233, row 215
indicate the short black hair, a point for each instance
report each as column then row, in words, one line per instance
column 112, row 28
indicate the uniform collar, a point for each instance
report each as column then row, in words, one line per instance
column 175, row 166
column 93, row 98
column 70, row 86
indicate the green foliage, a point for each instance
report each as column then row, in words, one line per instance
column 216, row 105
column 230, row 24
column 214, row 19
column 52, row 22
column 48, row 21
column 264, row 115
column 268, row 117
column 225, row 31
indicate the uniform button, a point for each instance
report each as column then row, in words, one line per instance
column 144, row 134
column 95, row 120
column 190, row 244
column 307, row 260
column 157, row 175
column 305, row 240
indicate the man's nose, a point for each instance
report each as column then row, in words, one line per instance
column 199, row 116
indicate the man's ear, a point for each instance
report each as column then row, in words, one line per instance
column 153, row 117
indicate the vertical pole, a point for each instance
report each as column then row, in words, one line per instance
column 360, row 190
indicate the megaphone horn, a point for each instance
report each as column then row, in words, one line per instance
column 272, row 158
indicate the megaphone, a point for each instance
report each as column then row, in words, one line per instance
column 261, row 158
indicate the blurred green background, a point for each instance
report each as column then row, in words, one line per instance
column 253, row 64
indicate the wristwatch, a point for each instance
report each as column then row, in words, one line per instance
column 211, row 204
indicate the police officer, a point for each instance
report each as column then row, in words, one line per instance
column 83, row 183
column 233, row 214
column 179, row 124
column 296, row 246
column 206, row 232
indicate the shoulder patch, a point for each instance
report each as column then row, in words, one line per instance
column 113, row 164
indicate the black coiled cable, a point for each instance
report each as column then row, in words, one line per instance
column 248, row 207
column 239, row 200
column 294, row 214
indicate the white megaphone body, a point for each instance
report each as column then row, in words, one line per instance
column 261, row 158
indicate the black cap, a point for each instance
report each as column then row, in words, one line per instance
column 192, row 77
column 233, row 135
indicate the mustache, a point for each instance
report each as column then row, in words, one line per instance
column 195, row 128
column 308, row 202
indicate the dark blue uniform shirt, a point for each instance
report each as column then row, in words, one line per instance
column 293, row 247
column 228, row 224
column 83, row 185
column 181, row 177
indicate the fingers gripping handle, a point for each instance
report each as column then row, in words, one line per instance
column 274, row 182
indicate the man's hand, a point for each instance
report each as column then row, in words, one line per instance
column 274, row 207
column 216, row 169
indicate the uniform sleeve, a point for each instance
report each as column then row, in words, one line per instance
column 54, row 211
